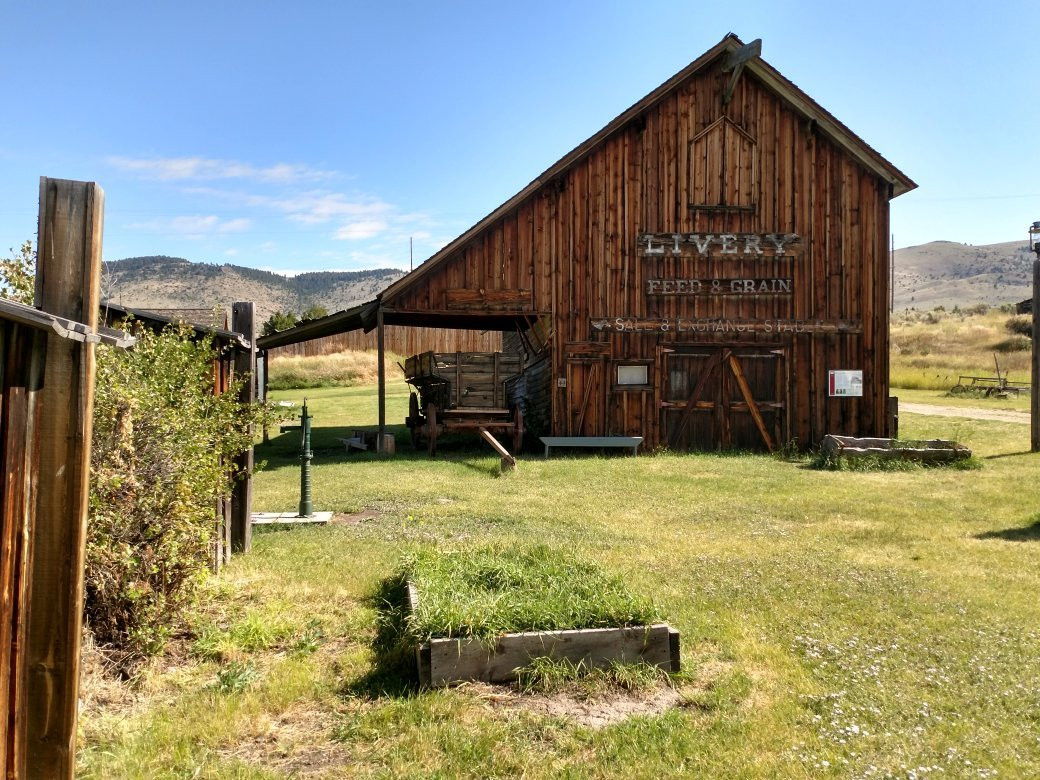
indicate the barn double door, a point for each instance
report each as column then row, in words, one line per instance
column 722, row 398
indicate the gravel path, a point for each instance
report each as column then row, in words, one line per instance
column 1005, row 415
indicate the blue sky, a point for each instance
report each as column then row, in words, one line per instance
column 323, row 135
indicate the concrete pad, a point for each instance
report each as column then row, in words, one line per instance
column 289, row 518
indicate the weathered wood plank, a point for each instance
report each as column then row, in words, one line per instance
column 463, row 298
column 508, row 461
column 244, row 322
column 455, row 660
column 67, row 282
column 931, row 450
column 22, row 355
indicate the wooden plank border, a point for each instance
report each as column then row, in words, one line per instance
column 445, row 661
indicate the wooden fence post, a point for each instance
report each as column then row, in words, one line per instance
column 67, row 280
column 1034, row 388
column 242, row 321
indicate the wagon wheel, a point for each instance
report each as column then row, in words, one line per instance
column 518, row 430
column 431, row 428
column 414, row 420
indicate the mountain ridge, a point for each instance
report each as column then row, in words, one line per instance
column 164, row 282
column 938, row 273
column 947, row 273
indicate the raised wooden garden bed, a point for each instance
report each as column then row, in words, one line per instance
column 925, row 451
column 445, row 661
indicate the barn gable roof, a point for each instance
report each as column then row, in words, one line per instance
column 826, row 123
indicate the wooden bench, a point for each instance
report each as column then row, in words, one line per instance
column 632, row 442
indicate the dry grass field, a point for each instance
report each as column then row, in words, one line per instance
column 931, row 350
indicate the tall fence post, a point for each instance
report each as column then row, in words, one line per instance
column 243, row 321
column 1034, row 387
column 68, row 273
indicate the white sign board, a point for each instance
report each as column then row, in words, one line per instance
column 847, row 383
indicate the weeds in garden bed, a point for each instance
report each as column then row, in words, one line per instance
column 490, row 590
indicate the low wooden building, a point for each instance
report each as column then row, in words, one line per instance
column 710, row 270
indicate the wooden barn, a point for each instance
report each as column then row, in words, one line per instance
column 711, row 270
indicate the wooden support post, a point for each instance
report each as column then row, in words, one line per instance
column 508, row 461
column 381, row 368
column 1034, row 389
column 262, row 366
column 242, row 321
column 68, row 273
column 22, row 358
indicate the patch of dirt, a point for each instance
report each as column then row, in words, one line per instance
column 594, row 710
column 971, row 412
column 296, row 742
column 357, row 518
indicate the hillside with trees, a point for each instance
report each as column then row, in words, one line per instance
column 160, row 282
column 948, row 274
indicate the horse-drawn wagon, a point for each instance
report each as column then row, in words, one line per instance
column 461, row 391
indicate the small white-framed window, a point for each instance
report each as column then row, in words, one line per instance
column 633, row 374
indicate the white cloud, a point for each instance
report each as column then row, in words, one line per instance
column 236, row 225
column 317, row 207
column 360, row 230
column 194, row 226
column 202, row 168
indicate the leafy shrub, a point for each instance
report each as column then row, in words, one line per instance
column 1014, row 344
column 1020, row 326
column 163, row 452
column 18, row 275
column 236, row 677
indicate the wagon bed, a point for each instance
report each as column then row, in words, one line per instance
column 461, row 391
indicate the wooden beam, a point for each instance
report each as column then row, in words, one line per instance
column 508, row 461
column 743, row 55
column 735, row 61
column 67, row 281
column 243, row 321
column 463, row 298
column 745, row 391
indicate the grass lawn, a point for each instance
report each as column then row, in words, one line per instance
column 845, row 624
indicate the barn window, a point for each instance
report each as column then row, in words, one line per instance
column 723, row 168
column 632, row 375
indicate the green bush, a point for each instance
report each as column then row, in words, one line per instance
column 1014, row 344
column 18, row 274
column 163, row 452
column 1020, row 326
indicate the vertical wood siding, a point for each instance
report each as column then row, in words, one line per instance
column 400, row 340
column 22, row 353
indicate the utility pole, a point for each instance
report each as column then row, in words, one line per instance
column 1034, row 388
